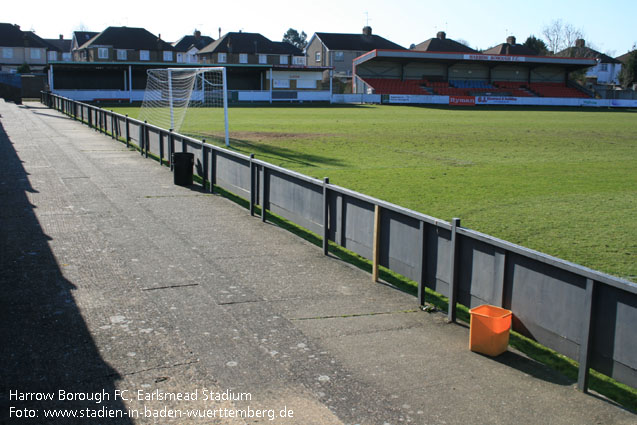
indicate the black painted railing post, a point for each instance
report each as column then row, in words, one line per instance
column 252, row 200
column 171, row 148
column 453, row 271
column 127, row 129
column 326, row 211
column 112, row 125
column 588, row 313
column 204, row 164
column 161, row 147
column 141, row 139
column 213, row 169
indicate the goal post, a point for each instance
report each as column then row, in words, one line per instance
column 188, row 101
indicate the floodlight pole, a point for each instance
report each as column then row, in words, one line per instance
column 225, row 104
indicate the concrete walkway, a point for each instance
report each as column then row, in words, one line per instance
column 125, row 293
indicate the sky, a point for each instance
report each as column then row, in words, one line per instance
column 608, row 26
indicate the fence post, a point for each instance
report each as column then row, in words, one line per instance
column 251, row 185
column 141, row 139
column 90, row 117
column 376, row 243
column 264, row 196
column 127, row 129
column 204, row 164
column 171, row 148
column 453, row 275
column 326, row 208
column 112, row 125
column 422, row 254
column 213, row 169
column 146, row 138
column 161, row 147
column 587, row 337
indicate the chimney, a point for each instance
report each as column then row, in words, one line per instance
column 61, row 37
column 158, row 36
column 367, row 30
column 441, row 35
column 580, row 42
column 197, row 34
column 17, row 26
column 511, row 40
column 219, row 32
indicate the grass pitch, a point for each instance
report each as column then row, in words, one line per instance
column 563, row 182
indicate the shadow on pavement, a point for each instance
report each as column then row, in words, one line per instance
column 46, row 349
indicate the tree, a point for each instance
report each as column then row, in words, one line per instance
column 536, row 44
column 628, row 74
column 24, row 68
column 293, row 37
column 560, row 36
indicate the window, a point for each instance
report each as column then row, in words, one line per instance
column 7, row 52
column 603, row 67
column 317, row 56
column 52, row 56
column 35, row 53
column 180, row 58
column 298, row 60
column 243, row 58
column 121, row 54
column 339, row 57
column 263, row 59
column 102, row 52
column 283, row 59
column 222, row 58
column 168, row 56
column 144, row 55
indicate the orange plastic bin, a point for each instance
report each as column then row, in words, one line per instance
column 489, row 330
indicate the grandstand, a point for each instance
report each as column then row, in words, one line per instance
column 516, row 78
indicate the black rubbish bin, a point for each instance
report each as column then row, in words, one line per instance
column 182, row 168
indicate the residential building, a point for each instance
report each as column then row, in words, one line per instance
column 59, row 49
column 442, row 44
column 188, row 46
column 338, row 50
column 125, row 44
column 605, row 72
column 81, row 37
column 511, row 48
column 245, row 48
column 19, row 47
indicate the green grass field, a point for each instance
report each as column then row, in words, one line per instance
column 563, row 182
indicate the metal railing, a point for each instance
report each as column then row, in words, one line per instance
column 579, row 312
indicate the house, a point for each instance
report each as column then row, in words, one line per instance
column 125, row 44
column 605, row 72
column 81, row 37
column 59, row 49
column 443, row 44
column 245, row 48
column 21, row 47
column 511, row 48
column 188, row 46
column 339, row 50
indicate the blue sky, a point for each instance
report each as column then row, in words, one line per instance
column 608, row 26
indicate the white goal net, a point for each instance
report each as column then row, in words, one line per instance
column 190, row 101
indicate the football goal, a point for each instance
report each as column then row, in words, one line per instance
column 190, row 101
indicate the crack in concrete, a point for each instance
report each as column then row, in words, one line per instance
column 346, row 316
